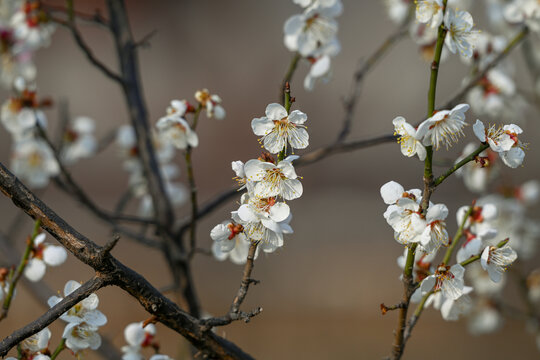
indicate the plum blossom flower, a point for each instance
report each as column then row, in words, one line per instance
column 43, row 254
column 495, row 260
column 84, row 320
column 230, row 241
column 32, row 25
column 278, row 129
column 37, row 342
column 312, row 29
column 449, row 280
column 79, row 141
column 175, row 129
column 264, row 220
column 409, row 138
column 435, row 234
column 430, row 12
column 445, row 126
column 523, row 11
column 212, row 103
column 138, row 338
column 485, row 318
column 33, row 161
column 274, row 180
column 85, row 311
column 503, row 140
column 397, row 10
column 452, row 309
column 21, row 113
column 460, row 36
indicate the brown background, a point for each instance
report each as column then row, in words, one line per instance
column 320, row 292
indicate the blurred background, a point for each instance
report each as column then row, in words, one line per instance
column 321, row 291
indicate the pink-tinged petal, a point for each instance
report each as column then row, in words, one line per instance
column 275, row 112
column 262, row 126
column 479, row 130
column 279, row 212
column 35, row 270
column 391, row 192
column 292, row 189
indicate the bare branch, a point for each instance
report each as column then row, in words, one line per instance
column 111, row 272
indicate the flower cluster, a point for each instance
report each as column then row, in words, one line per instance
column 84, row 320
column 25, row 27
column 138, row 338
column 312, row 35
column 263, row 216
column 43, row 254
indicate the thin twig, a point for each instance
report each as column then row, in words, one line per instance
column 234, row 311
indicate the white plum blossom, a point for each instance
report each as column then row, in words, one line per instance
column 524, row 12
column 435, row 234
column 84, row 320
column 274, row 180
column 430, row 12
column 212, row 104
column 79, row 140
column 495, row 260
column 176, row 130
column 409, row 138
column 397, row 10
column 22, row 113
column 452, row 309
column 137, row 338
column 37, row 342
column 485, row 318
column 460, row 36
column 445, row 126
column 449, row 280
column 278, row 129
column 32, row 25
column 34, row 163
column 312, row 29
column 504, row 141
column 230, row 241
column 43, row 254
column 85, row 311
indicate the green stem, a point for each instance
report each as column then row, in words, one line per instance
column 457, row 236
column 196, row 117
column 477, row 257
column 288, row 76
column 59, row 349
column 20, row 269
column 454, row 168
